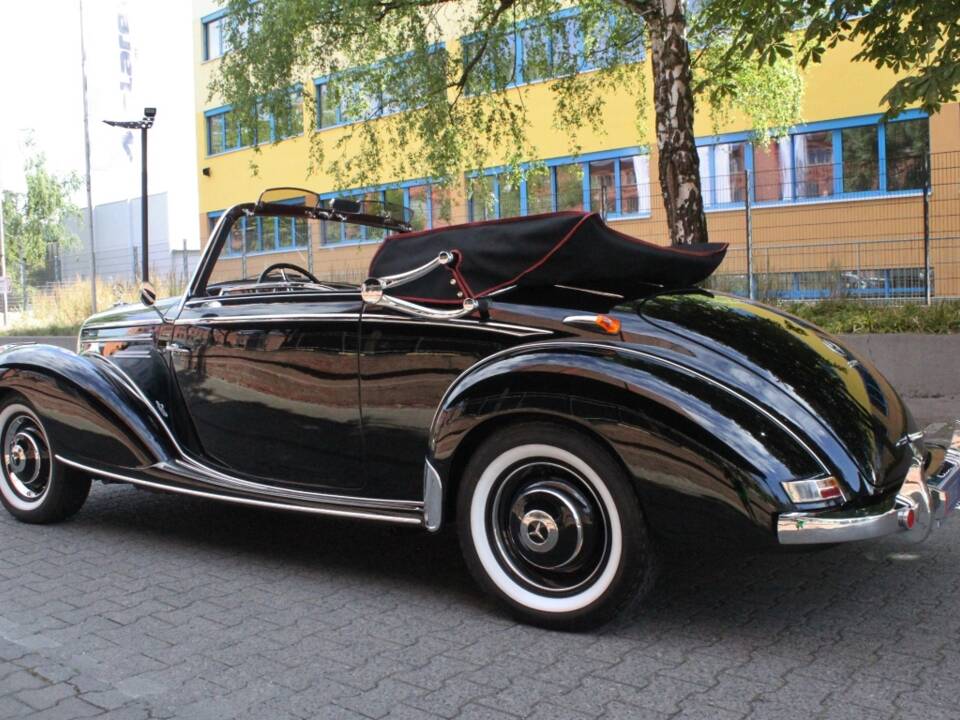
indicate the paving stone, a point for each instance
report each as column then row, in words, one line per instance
column 154, row 607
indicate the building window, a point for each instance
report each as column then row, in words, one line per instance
column 569, row 186
column 214, row 37
column 428, row 204
column 773, row 171
column 813, row 164
column 603, row 186
column 861, row 158
column 540, row 192
column 907, row 148
column 634, row 185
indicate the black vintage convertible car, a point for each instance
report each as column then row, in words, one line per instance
column 564, row 392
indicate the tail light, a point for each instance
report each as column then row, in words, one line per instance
column 813, row 491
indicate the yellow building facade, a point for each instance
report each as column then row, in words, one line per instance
column 839, row 205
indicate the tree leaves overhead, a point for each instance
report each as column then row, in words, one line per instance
column 918, row 38
column 387, row 55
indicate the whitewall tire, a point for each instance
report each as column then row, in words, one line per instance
column 34, row 487
column 550, row 524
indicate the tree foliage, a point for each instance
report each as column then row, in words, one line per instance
column 917, row 38
column 36, row 220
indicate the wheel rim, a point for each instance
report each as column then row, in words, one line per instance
column 548, row 527
column 26, row 457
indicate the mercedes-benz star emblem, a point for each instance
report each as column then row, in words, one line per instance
column 537, row 530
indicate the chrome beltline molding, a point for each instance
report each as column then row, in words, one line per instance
column 350, row 512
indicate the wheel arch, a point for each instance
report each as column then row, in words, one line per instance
column 685, row 457
column 90, row 412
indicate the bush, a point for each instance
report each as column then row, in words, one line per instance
column 61, row 309
column 857, row 316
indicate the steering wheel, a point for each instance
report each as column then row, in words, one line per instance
column 281, row 266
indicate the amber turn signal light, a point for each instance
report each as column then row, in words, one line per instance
column 609, row 325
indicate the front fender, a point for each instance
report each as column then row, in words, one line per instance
column 705, row 459
column 90, row 413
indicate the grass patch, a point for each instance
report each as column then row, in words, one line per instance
column 39, row 330
column 853, row 316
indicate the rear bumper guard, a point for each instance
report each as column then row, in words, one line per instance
column 925, row 500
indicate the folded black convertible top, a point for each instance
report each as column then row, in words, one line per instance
column 572, row 249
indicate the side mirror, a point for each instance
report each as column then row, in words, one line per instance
column 148, row 294
column 371, row 291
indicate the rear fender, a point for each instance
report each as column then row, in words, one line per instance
column 703, row 457
column 91, row 412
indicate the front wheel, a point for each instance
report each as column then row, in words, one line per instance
column 34, row 487
column 551, row 525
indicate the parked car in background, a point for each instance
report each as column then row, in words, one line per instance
column 563, row 392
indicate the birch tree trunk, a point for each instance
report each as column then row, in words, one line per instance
column 678, row 162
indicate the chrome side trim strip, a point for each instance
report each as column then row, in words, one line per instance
column 226, row 481
column 120, row 325
column 432, row 497
column 363, row 514
column 240, row 319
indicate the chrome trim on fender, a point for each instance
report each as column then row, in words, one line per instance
column 560, row 345
column 363, row 514
column 432, row 497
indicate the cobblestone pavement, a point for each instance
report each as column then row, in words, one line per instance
column 155, row 606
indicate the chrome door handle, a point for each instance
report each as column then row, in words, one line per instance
column 177, row 349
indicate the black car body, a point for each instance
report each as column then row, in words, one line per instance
column 672, row 411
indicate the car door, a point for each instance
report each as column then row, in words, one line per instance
column 270, row 384
column 406, row 365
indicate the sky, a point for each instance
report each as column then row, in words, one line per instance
column 41, row 92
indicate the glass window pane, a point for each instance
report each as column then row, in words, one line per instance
column 539, row 194
column 603, row 188
column 394, row 196
column 264, row 134
column 231, row 131
column 706, row 179
column 327, row 112
column 418, row 206
column 861, row 159
column 250, row 233
column 292, row 124
column 482, row 201
column 566, row 46
column 908, row 143
column 268, row 233
column 442, row 206
column 497, row 67
column 813, row 157
column 536, row 53
column 286, row 232
column 635, row 184
column 215, row 133
column 372, row 233
column 569, row 187
column 729, row 180
column 509, row 197
column 235, row 245
column 212, row 39
column 773, row 171
column 301, row 231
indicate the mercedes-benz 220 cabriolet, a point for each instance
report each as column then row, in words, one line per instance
column 563, row 392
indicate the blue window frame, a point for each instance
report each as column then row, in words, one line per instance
column 543, row 49
column 421, row 196
column 615, row 183
column 225, row 134
column 265, row 234
column 850, row 158
column 213, row 28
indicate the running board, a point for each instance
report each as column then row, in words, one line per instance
column 380, row 510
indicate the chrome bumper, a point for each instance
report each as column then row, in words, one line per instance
column 923, row 503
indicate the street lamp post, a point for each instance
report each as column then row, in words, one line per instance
column 143, row 125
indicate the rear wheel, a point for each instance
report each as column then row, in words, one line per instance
column 34, row 487
column 551, row 525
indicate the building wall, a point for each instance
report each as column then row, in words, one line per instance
column 877, row 233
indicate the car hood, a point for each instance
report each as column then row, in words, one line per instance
column 841, row 391
column 132, row 314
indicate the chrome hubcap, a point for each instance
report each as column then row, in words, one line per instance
column 548, row 527
column 26, row 459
